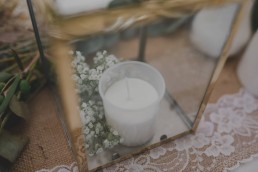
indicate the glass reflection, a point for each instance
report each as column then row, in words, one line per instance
column 166, row 46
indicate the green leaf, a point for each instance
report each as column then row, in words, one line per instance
column 25, row 87
column 1, row 99
column 1, row 86
column 37, row 82
column 11, row 145
column 7, row 116
column 4, row 76
column 9, row 94
column 19, row 108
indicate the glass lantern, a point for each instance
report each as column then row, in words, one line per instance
column 107, row 54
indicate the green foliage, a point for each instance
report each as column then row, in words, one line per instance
column 4, row 76
column 15, row 89
column 1, row 86
column 9, row 95
column 25, row 87
column 1, row 99
column 19, row 108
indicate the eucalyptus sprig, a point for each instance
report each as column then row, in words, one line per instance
column 15, row 89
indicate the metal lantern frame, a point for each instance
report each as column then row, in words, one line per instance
column 61, row 34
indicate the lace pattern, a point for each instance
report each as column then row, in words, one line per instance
column 227, row 136
column 62, row 168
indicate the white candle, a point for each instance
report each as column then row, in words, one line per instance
column 131, row 93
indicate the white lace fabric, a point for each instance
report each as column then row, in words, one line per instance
column 62, row 168
column 227, row 136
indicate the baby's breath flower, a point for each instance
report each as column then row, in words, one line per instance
column 100, row 68
column 83, row 76
column 90, row 125
column 90, row 112
column 84, row 105
column 88, row 137
column 106, row 143
column 99, row 150
column 92, row 133
column 87, row 119
column 98, row 135
column 87, row 130
column 97, row 130
column 115, row 133
column 93, row 119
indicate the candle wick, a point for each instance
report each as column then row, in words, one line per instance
column 127, row 88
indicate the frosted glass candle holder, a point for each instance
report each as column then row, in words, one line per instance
column 131, row 93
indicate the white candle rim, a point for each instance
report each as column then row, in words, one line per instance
column 102, row 95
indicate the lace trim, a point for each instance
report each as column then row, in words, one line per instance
column 241, row 162
column 227, row 135
column 62, row 168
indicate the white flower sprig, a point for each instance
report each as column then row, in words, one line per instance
column 98, row 135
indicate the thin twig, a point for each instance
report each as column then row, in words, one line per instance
column 10, row 68
column 11, row 58
column 18, row 60
column 28, row 44
column 31, row 66
column 34, row 60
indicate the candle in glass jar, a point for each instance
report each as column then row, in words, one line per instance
column 131, row 93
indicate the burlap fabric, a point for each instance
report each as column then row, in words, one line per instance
column 48, row 146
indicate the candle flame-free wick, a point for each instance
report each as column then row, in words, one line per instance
column 127, row 89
